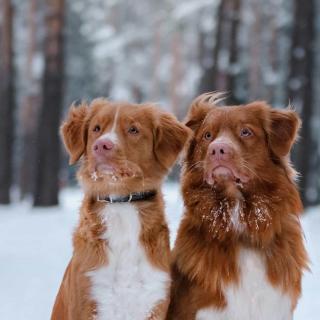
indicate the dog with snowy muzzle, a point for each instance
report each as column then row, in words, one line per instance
column 120, row 263
column 239, row 252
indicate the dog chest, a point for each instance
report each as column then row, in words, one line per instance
column 128, row 287
column 254, row 298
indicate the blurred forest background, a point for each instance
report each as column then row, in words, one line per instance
column 54, row 52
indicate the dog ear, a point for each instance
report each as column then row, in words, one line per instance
column 284, row 127
column 195, row 116
column 170, row 138
column 74, row 132
column 200, row 108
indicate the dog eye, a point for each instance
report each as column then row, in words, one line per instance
column 133, row 130
column 245, row 132
column 96, row 128
column 208, row 135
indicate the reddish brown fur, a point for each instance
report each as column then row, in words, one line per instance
column 206, row 249
column 142, row 162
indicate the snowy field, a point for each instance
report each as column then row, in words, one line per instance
column 36, row 247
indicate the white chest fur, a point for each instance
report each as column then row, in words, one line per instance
column 128, row 287
column 254, row 298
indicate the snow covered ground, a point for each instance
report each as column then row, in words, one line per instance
column 35, row 247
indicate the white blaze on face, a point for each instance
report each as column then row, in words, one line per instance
column 224, row 138
column 217, row 148
column 112, row 135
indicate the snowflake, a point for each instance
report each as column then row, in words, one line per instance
column 94, row 176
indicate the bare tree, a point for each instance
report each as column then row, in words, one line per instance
column 221, row 75
column 48, row 142
column 300, row 84
column 30, row 103
column 176, row 73
column 7, row 104
column 255, row 76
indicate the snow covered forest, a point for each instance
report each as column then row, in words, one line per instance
column 55, row 52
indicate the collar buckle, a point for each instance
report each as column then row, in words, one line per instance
column 106, row 200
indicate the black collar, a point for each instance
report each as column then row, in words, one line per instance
column 134, row 196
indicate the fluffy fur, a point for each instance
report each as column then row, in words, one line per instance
column 120, row 263
column 240, row 239
column 128, row 286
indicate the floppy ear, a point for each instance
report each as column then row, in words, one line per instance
column 170, row 137
column 284, row 129
column 74, row 132
column 200, row 107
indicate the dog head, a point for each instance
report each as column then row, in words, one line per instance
column 124, row 147
column 238, row 148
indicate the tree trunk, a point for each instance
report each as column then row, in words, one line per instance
column 300, row 85
column 30, row 107
column 48, row 142
column 207, row 82
column 221, row 76
column 233, row 49
column 175, row 73
column 255, row 82
column 7, row 104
